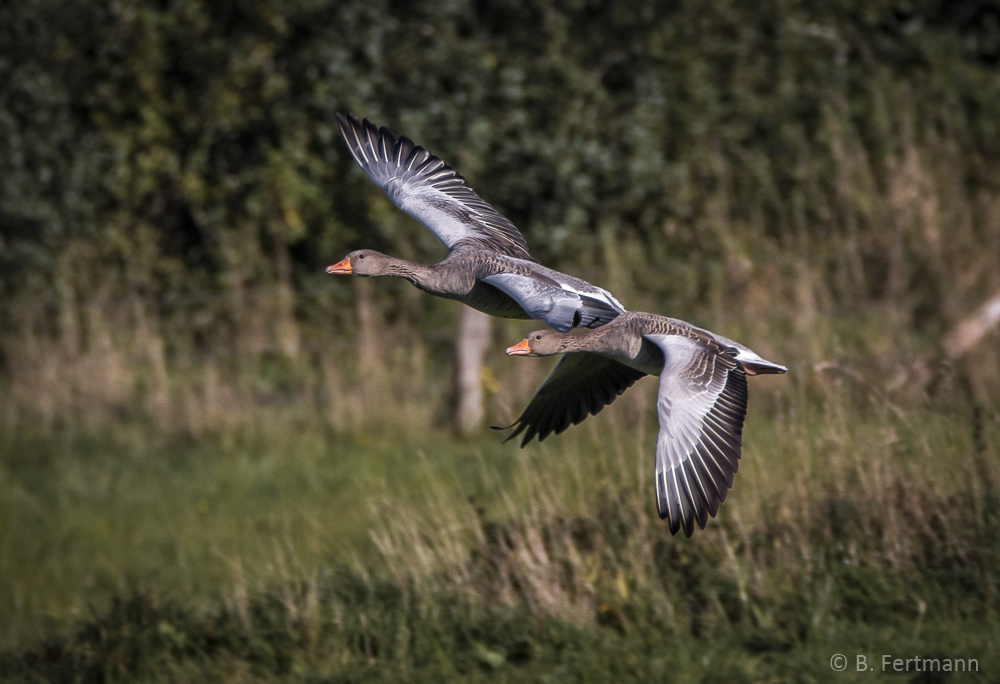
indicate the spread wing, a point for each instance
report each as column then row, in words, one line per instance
column 701, row 404
column 429, row 190
column 581, row 385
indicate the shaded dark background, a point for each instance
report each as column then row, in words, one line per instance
column 173, row 151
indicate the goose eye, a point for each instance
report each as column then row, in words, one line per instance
column 538, row 337
column 361, row 256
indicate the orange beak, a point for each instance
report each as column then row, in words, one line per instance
column 520, row 349
column 342, row 267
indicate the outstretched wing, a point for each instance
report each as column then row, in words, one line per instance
column 581, row 385
column 429, row 190
column 702, row 403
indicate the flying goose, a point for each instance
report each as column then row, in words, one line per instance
column 488, row 266
column 701, row 403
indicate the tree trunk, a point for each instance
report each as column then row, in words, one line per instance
column 470, row 346
column 287, row 328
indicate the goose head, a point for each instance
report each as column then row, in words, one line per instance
column 539, row 343
column 364, row 262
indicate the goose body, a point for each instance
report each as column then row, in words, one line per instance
column 488, row 266
column 701, row 403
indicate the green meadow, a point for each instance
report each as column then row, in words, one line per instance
column 856, row 526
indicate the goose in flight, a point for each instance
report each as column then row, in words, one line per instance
column 488, row 266
column 701, row 403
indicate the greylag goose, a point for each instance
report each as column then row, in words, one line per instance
column 701, row 403
column 488, row 266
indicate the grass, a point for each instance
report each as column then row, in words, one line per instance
column 86, row 516
column 857, row 525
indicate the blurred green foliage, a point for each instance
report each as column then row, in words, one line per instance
column 178, row 147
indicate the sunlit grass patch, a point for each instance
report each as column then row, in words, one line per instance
column 84, row 516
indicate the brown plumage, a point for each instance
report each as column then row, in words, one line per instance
column 701, row 403
column 488, row 266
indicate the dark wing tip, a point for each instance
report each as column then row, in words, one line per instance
column 570, row 395
column 352, row 130
column 519, row 426
column 368, row 143
column 348, row 123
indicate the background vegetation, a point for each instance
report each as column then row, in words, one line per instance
column 213, row 463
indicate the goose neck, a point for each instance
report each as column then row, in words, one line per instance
column 418, row 274
column 602, row 340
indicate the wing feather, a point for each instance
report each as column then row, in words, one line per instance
column 580, row 385
column 426, row 188
column 701, row 405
